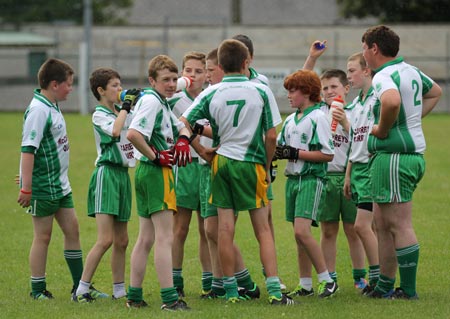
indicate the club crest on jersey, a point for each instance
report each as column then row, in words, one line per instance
column 143, row 122
column 331, row 144
column 33, row 134
column 378, row 87
column 304, row 138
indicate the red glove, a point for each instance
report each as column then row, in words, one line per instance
column 182, row 151
column 163, row 158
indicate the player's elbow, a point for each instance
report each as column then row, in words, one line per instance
column 115, row 133
column 328, row 157
column 132, row 135
column 271, row 136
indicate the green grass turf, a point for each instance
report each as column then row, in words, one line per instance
column 430, row 214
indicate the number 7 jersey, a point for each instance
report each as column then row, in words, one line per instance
column 239, row 112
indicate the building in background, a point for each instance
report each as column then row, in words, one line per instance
column 281, row 30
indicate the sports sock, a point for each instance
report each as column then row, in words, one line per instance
column 38, row 285
column 178, row 280
column 358, row 274
column 385, row 284
column 273, row 286
column 83, row 288
column 74, row 259
column 119, row 290
column 408, row 258
column 333, row 276
column 244, row 279
column 306, row 283
column 135, row 294
column 169, row 295
column 374, row 274
column 217, row 286
column 324, row 276
column 230, row 286
column 206, row 280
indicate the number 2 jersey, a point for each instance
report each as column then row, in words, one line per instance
column 239, row 112
column 406, row 135
column 44, row 134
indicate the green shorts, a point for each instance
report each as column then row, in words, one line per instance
column 395, row 176
column 43, row 208
column 360, row 183
column 110, row 192
column 155, row 189
column 336, row 207
column 206, row 209
column 237, row 184
column 187, row 187
column 270, row 192
column 303, row 197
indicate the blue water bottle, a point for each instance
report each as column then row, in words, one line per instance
column 121, row 95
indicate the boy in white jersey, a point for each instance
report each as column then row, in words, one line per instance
column 256, row 77
column 305, row 140
column 43, row 179
column 153, row 132
column 247, row 287
column 336, row 207
column 357, row 177
column 187, row 180
column 240, row 113
column 109, row 195
column 397, row 143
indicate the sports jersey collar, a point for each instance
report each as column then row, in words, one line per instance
column 105, row 109
column 188, row 95
column 306, row 112
column 235, row 78
column 311, row 108
column 253, row 73
column 369, row 93
column 152, row 91
column 43, row 99
column 392, row 62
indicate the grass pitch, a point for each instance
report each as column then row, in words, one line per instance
column 430, row 214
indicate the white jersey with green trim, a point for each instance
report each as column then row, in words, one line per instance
column 361, row 126
column 156, row 122
column 311, row 132
column 341, row 142
column 258, row 77
column 112, row 151
column 406, row 135
column 239, row 112
column 179, row 103
column 45, row 135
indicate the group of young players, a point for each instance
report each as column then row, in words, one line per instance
column 195, row 146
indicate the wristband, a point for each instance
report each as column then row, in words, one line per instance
column 193, row 136
column 156, row 159
column 25, row 192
